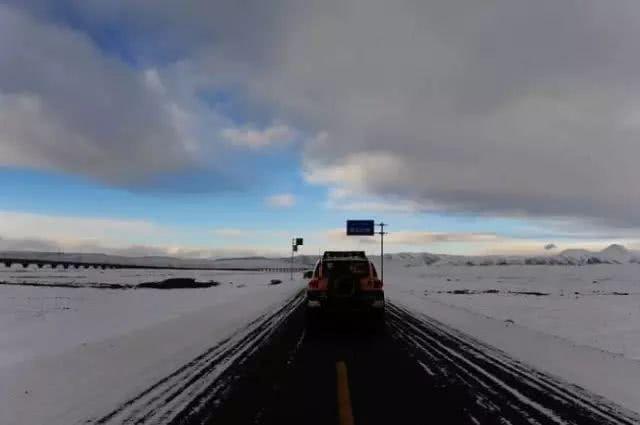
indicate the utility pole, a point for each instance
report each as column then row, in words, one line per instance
column 382, row 233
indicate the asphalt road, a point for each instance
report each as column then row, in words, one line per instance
column 413, row 371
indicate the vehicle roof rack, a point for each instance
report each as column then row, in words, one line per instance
column 344, row 254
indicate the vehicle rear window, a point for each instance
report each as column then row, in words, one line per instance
column 355, row 268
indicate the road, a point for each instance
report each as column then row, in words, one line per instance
column 415, row 371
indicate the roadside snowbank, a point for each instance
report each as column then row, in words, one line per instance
column 564, row 320
column 67, row 354
column 596, row 305
column 32, row 275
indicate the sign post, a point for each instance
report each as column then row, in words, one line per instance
column 368, row 228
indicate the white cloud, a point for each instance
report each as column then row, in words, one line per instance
column 71, row 231
column 247, row 234
column 256, row 139
column 343, row 199
column 420, row 238
column 38, row 232
column 232, row 233
column 462, row 243
column 137, row 250
column 356, row 172
column 154, row 82
column 377, row 206
column 282, row 200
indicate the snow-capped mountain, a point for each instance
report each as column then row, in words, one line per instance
column 614, row 254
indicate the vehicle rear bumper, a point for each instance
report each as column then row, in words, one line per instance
column 362, row 301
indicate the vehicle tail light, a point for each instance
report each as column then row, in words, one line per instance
column 314, row 283
column 370, row 284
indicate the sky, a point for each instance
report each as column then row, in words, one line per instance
column 223, row 128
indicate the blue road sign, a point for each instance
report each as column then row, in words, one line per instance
column 360, row 228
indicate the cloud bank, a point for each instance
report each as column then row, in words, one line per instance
column 65, row 106
column 257, row 139
column 505, row 107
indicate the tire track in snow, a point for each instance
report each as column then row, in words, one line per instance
column 264, row 368
column 182, row 392
column 515, row 390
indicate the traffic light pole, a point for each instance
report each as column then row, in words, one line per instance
column 293, row 244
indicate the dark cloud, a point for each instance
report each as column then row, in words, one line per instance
column 550, row 246
column 499, row 107
column 67, row 104
column 64, row 106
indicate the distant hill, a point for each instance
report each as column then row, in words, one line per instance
column 614, row 254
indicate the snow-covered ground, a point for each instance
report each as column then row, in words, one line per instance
column 92, row 277
column 50, row 320
column 70, row 353
column 581, row 323
column 73, row 351
column 595, row 305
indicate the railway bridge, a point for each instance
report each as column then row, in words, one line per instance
column 80, row 264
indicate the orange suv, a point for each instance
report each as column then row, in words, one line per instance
column 345, row 282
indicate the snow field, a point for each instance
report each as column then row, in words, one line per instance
column 71, row 353
column 591, row 339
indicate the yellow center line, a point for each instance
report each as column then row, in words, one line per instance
column 345, row 414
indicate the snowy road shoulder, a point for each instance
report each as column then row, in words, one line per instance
column 187, row 390
column 79, row 380
column 608, row 375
